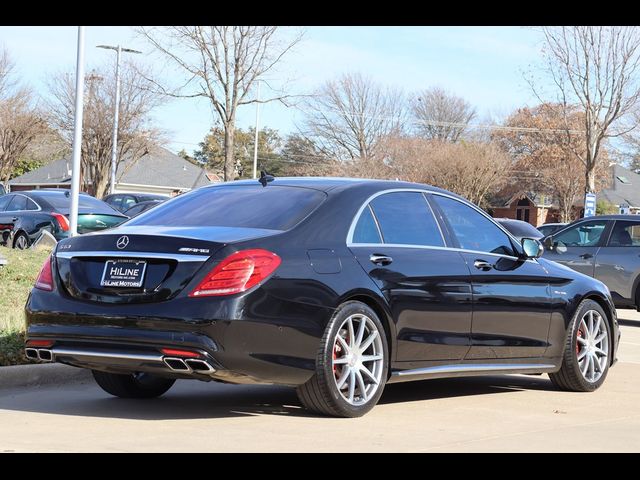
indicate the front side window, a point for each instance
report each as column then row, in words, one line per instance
column 625, row 234
column 4, row 201
column 586, row 234
column 128, row 202
column 405, row 218
column 473, row 230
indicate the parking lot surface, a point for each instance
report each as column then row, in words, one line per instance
column 483, row 414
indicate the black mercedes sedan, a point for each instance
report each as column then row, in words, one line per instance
column 332, row 286
column 25, row 215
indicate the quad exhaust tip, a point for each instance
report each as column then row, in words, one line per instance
column 39, row 354
column 199, row 366
column 189, row 365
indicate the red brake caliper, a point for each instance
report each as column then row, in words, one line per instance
column 578, row 346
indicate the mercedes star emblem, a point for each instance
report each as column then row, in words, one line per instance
column 122, row 242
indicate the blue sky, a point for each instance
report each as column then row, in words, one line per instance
column 485, row 65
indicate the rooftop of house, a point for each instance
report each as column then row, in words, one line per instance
column 159, row 167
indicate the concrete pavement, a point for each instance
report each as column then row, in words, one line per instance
column 501, row 413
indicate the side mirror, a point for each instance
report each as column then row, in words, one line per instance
column 532, row 248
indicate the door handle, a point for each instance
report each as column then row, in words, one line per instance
column 14, row 219
column 586, row 256
column 380, row 259
column 482, row 265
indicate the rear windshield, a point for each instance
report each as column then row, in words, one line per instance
column 86, row 203
column 271, row 207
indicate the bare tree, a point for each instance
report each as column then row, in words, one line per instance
column 224, row 65
column 543, row 155
column 136, row 135
column 595, row 68
column 440, row 115
column 470, row 169
column 348, row 117
column 20, row 121
column 6, row 67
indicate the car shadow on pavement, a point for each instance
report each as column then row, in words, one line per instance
column 191, row 400
column 460, row 387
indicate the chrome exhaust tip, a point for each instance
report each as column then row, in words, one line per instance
column 199, row 366
column 31, row 353
column 45, row 355
column 176, row 364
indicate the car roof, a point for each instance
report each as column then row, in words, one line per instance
column 327, row 184
column 49, row 191
column 511, row 220
column 611, row 217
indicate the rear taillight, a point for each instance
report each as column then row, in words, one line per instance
column 45, row 277
column 237, row 273
column 62, row 221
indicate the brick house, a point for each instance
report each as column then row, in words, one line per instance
column 539, row 208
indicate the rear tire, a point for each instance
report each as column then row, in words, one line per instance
column 586, row 357
column 21, row 242
column 138, row 385
column 351, row 365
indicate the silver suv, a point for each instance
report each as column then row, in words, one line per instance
column 606, row 247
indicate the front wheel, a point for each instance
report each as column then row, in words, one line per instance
column 586, row 355
column 134, row 385
column 351, row 364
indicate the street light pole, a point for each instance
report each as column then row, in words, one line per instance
column 255, row 141
column 116, row 113
column 77, row 136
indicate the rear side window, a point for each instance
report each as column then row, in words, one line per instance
column 366, row 230
column 473, row 230
column 625, row 234
column 19, row 202
column 271, row 207
column 405, row 218
column 31, row 205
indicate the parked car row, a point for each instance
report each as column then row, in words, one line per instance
column 125, row 201
column 25, row 215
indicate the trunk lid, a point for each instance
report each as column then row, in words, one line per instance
column 151, row 263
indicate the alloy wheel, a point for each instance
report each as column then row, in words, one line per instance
column 592, row 346
column 21, row 242
column 358, row 359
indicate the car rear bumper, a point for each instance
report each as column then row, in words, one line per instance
column 239, row 347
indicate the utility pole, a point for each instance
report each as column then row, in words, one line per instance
column 77, row 136
column 255, row 141
column 116, row 112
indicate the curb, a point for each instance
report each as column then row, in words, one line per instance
column 46, row 374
